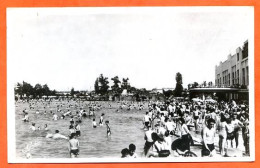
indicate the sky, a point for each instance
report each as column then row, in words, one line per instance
column 71, row 47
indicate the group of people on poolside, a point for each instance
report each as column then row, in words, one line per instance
column 186, row 119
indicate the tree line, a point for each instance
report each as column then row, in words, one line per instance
column 25, row 89
column 101, row 88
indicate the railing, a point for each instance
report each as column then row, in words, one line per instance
column 223, row 86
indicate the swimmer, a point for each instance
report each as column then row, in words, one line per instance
column 32, row 127
column 72, row 120
column 146, row 121
column 73, row 146
column 57, row 135
column 67, row 113
column 26, row 117
column 72, row 129
column 101, row 119
column 63, row 116
column 108, row 129
column 55, row 117
column 77, row 128
column 94, row 123
column 46, row 127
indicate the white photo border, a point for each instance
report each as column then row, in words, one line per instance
column 117, row 10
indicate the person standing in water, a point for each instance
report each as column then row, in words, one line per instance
column 73, row 146
column 108, row 129
column 101, row 119
column 94, row 123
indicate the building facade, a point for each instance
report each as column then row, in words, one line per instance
column 234, row 71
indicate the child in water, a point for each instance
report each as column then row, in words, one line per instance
column 108, row 129
column 32, row 127
column 26, row 117
column 101, row 119
column 46, row 127
column 77, row 128
column 94, row 123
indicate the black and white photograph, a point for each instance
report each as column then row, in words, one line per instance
column 130, row 84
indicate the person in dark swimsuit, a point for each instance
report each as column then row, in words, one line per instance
column 108, row 129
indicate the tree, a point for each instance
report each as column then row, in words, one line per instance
column 38, row 91
column 204, row 83
column 96, row 86
column 210, row 84
column 189, row 86
column 46, row 90
column 167, row 93
column 132, row 89
column 179, row 88
column 101, row 85
column 116, row 88
column 141, row 94
column 125, row 84
column 53, row 92
column 27, row 89
column 195, row 84
column 18, row 89
column 72, row 92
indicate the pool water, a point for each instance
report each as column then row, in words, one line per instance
column 126, row 127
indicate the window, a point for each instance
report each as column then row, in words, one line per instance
column 245, row 51
column 233, row 77
column 247, row 75
column 228, row 79
column 243, row 76
column 237, row 56
column 237, row 76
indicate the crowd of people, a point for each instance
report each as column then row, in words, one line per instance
column 170, row 127
column 167, row 120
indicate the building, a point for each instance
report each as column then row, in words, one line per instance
column 234, row 71
column 231, row 79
